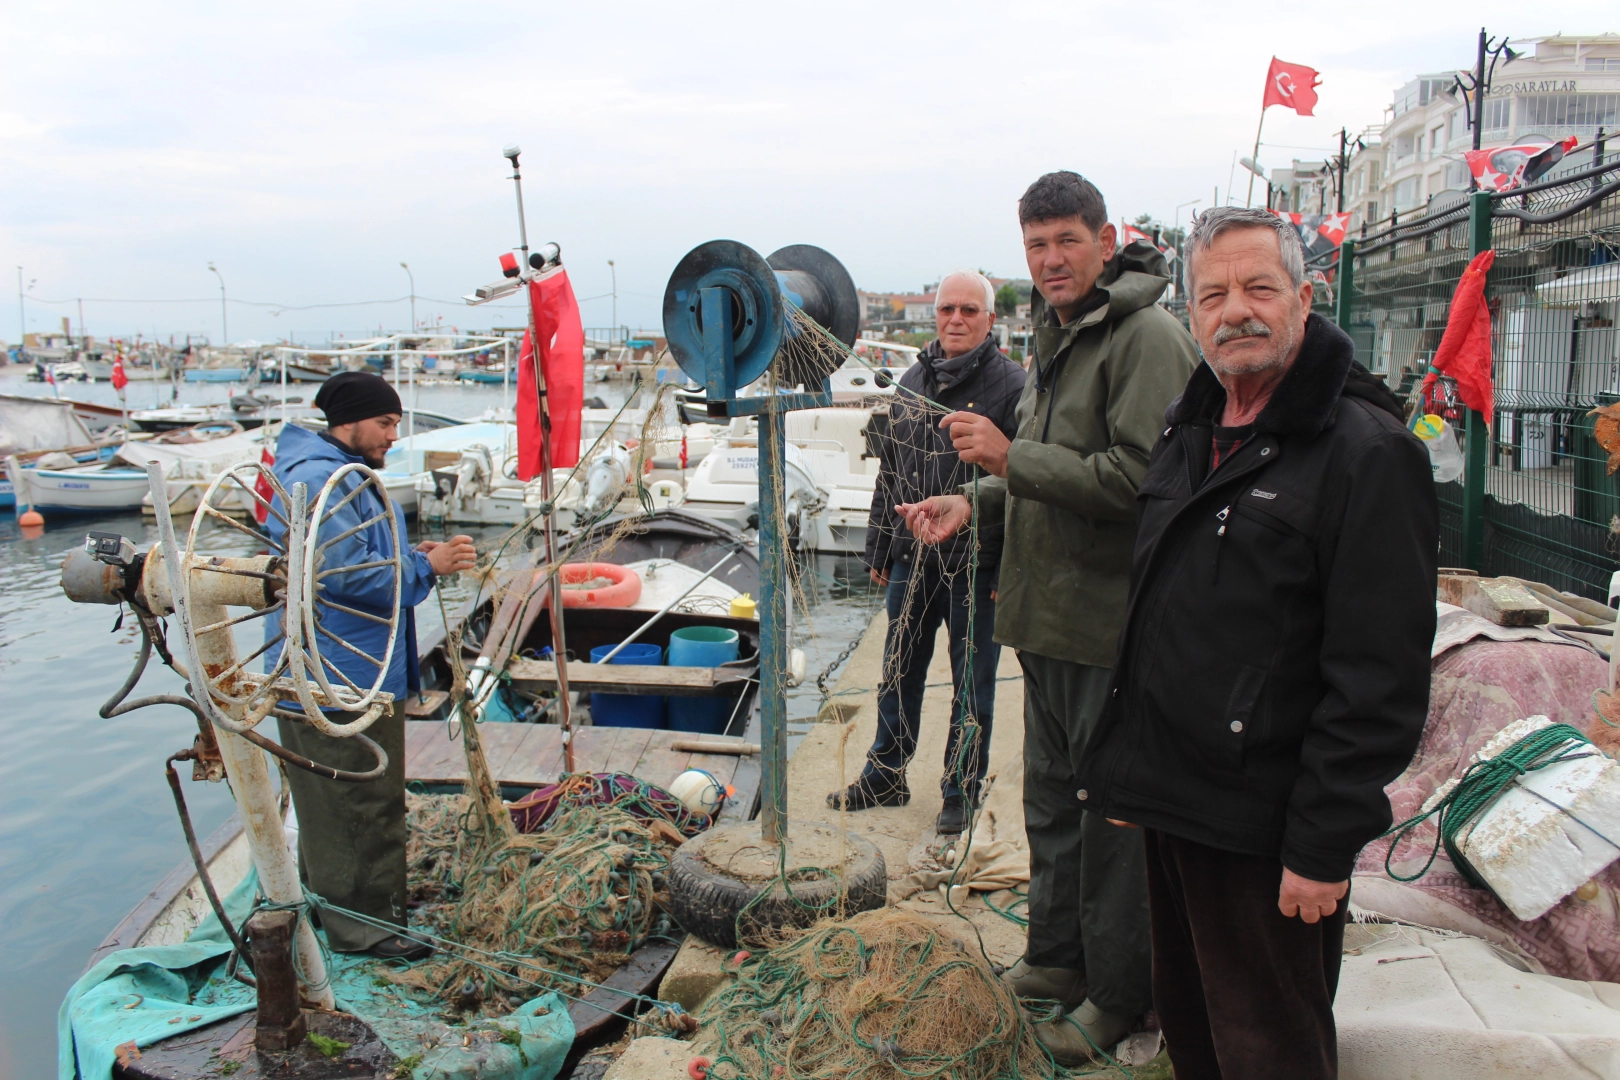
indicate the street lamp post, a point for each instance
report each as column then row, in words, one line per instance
column 1181, row 248
column 22, row 325
column 224, row 326
column 614, row 271
column 412, row 276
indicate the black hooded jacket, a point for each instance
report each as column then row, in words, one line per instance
column 1273, row 674
column 917, row 460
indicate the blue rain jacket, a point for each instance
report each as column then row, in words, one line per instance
column 303, row 456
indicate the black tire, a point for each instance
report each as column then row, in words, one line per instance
column 707, row 902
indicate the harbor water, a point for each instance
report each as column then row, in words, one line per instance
column 87, row 823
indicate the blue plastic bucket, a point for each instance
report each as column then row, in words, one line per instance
column 628, row 710
column 701, row 646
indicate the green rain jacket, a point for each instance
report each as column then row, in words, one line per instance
column 1091, row 412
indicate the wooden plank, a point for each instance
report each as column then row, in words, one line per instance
column 424, row 705
column 660, row 762
column 639, row 975
column 593, row 746
column 538, row 760
column 435, row 753
column 535, row 675
column 720, row 766
column 1505, row 603
column 628, row 749
column 502, row 742
column 746, row 779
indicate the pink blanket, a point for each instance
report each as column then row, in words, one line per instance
column 1476, row 690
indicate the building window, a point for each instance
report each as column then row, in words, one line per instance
column 1458, row 122
column 1498, row 112
column 1557, row 113
column 1406, row 193
column 1457, row 176
column 1405, row 146
column 1599, row 63
column 1434, row 140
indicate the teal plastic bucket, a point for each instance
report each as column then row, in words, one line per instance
column 628, row 710
column 701, row 646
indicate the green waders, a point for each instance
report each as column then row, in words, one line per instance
column 351, row 837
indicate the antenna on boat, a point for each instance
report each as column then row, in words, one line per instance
column 532, row 267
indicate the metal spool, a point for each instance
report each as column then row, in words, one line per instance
column 761, row 289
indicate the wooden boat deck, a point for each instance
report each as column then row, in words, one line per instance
column 530, row 755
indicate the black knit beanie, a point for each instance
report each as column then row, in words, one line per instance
column 356, row 395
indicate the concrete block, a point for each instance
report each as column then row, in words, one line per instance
column 697, row 971
column 653, row 1058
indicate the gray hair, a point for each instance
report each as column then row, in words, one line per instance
column 984, row 282
column 1216, row 220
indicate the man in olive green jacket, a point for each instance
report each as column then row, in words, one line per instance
column 1108, row 361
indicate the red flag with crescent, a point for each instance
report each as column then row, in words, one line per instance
column 1293, row 85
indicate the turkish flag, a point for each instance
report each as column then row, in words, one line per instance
column 562, row 363
column 1129, row 234
column 119, row 379
column 261, row 487
column 1293, row 85
column 1333, row 227
column 1502, row 168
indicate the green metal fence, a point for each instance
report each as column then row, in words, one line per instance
column 1536, row 500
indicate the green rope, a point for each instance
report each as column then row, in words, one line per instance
column 1480, row 785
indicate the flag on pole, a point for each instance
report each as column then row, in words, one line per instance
column 1129, row 234
column 262, row 488
column 562, row 364
column 1291, row 85
column 1465, row 347
column 1502, row 168
column 119, row 378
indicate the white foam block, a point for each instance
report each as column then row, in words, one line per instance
column 1545, row 836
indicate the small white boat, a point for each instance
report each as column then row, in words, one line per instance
column 85, row 490
column 872, row 372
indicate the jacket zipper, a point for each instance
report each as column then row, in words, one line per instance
column 1220, row 541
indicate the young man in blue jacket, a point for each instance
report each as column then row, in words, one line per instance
column 351, row 836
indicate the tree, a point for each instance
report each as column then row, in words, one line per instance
column 1007, row 300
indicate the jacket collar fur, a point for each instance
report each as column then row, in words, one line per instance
column 1305, row 401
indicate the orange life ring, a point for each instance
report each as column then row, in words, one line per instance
column 625, row 590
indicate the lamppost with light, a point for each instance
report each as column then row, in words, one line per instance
column 224, row 326
column 614, row 271
column 412, row 276
column 1181, row 247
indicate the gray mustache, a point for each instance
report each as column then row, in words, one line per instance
column 1246, row 328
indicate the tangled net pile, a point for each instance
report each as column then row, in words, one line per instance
column 537, row 911
column 882, row 996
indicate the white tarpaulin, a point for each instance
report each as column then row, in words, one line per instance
column 39, row 424
column 1416, row 1005
column 196, row 460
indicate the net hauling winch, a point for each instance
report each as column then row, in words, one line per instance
column 229, row 700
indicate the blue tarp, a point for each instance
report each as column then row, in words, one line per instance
column 149, row 994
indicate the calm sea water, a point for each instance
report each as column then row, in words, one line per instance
column 87, row 824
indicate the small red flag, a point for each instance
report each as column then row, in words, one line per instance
column 261, row 510
column 1292, row 85
column 562, row 363
column 1465, row 348
column 119, row 379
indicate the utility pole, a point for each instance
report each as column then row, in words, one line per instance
column 224, row 327
column 22, row 325
column 612, row 270
column 1480, row 79
column 413, row 294
column 1344, row 163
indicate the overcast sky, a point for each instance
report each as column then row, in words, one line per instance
column 308, row 150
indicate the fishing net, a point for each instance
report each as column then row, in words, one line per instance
column 531, row 910
column 882, row 996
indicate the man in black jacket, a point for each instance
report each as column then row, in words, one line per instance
column 1273, row 673
column 960, row 370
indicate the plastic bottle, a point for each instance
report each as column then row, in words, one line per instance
column 1445, row 458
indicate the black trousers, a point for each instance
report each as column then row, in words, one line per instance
column 921, row 597
column 1088, row 906
column 1242, row 992
column 351, row 837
